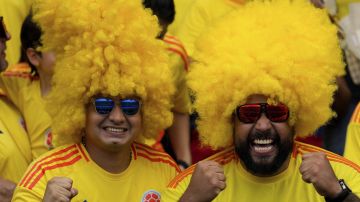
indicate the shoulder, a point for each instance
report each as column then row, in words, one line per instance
column 21, row 70
column 145, row 153
column 338, row 162
column 174, row 45
column 223, row 157
column 355, row 118
column 55, row 160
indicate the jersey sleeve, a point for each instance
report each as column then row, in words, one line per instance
column 181, row 97
column 349, row 171
column 23, row 194
column 352, row 144
column 32, row 185
column 12, row 82
column 177, row 186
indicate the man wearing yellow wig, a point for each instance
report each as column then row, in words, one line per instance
column 111, row 87
column 258, row 85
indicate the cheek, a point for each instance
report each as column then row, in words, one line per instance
column 284, row 131
column 241, row 131
column 92, row 120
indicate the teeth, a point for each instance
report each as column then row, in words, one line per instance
column 263, row 149
column 267, row 141
column 116, row 130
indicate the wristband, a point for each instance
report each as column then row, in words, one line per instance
column 345, row 191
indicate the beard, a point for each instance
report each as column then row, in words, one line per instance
column 264, row 165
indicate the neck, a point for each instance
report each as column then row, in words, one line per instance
column 45, row 83
column 112, row 161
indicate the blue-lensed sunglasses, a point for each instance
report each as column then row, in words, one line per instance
column 104, row 105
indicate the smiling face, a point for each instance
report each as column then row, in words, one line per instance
column 113, row 131
column 264, row 146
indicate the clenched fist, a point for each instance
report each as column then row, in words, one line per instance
column 59, row 189
column 207, row 181
column 316, row 169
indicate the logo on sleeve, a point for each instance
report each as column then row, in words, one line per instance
column 151, row 196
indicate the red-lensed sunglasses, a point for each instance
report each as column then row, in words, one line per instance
column 250, row 113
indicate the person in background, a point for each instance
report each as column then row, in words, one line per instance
column 28, row 82
column 14, row 13
column 15, row 153
column 178, row 134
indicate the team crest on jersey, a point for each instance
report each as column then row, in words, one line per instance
column 48, row 139
column 151, row 196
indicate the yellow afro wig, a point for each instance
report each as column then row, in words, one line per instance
column 286, row 50
column 104, row 47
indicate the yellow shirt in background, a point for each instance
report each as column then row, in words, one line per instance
column 182, row 8
column 179, row 64
column 23, row 90
column 146, row 177
column 352, row 144
column 15, row 152
column 286, row 186
column 14, row 13
column 201, row 15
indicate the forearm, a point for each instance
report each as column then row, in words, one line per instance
column 179, row 134
column 352, row 198
column 6, row 189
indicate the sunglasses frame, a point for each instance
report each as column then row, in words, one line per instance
column 119, row 104
column 263, row 109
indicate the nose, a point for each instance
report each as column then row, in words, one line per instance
column 263, row 123
column 116, row 115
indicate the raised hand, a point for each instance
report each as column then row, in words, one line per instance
column 206, row 183
column 316, row 169
column 59, row 189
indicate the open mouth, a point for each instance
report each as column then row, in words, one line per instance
column 263, row 146
column 116, row 130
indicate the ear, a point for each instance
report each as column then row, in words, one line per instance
column 33, row 56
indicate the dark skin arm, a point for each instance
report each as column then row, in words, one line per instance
column 206, row 183
column 179, row 134
column 316, row 169
column 7, row 188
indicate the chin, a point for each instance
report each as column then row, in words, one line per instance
column 265, row 165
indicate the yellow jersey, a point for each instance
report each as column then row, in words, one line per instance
column 352, row 143
column 286, row 186
column 146, row 177
column 14, row 13
column 15, row 153
column 179, row 64
column 23, row 90
column 181, row 9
